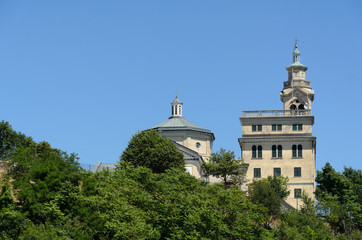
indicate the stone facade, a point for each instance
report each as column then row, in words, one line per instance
column 280, row 141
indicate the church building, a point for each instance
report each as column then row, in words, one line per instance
column 193, row 141
column 280, row 142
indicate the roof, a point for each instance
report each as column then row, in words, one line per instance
column 176, row 100
column 104, row 166
column 179, row 123
column 297, row 65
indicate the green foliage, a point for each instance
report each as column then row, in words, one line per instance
column 39, row 173
column 6, row 198
column 223, row 164
column 134, row 203
column 149, row 149
column 12, row 223
column 269, row 192
column 10, row 140
column 152, row 197
column 303, row 224
column 339, row 198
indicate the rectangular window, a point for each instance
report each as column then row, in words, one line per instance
column 257, row 172
column 297, row 193
column 276, row 127
column 297, row 127
column 277, row 171
column 256, row 128
column 297, row 172
column 189, row 169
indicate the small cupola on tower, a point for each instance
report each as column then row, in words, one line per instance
column 297, row 93
column 296, row 54
column 176, row 108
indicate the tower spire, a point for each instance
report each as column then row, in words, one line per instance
column 296, row 54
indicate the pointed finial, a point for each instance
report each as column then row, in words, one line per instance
column 176, row 93
column 296, row 42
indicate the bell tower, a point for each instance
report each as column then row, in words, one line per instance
column 297, row 93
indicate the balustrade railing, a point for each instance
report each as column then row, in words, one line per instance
column 273, row 113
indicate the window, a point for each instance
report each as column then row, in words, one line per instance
column 276, row 127
column 257, row 172
column 297, row 172
column 254, row 152
column 297, row 193
column 260, row 151
column 297, row 127
column 280, row 151
column 189, row 169
column 300, row 151
column 294, row 151
column 297, row 152
column 274, row 151
column 256, row 128
column 277, row 172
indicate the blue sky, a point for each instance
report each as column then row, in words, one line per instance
column 86, row 75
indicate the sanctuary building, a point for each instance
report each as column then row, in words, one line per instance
column 192, row 140
column 280, row 142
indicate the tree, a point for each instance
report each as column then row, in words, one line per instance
column 269, row 192
column 10, row 140
column 223, row 164
column 135, row 203
column 39, row 174
column 149, row 149
column 339, row 198
column 302, row 224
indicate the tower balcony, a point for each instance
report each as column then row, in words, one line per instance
column 277, row 113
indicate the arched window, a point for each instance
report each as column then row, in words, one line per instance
column 294, row 151
column 301, row 107
column 260, row 151
column 280, row 151
column 274, row 151
column 254, row 151
column 300, row 150
column 293, row 107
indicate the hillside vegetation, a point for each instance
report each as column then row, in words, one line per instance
column 45, row 194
